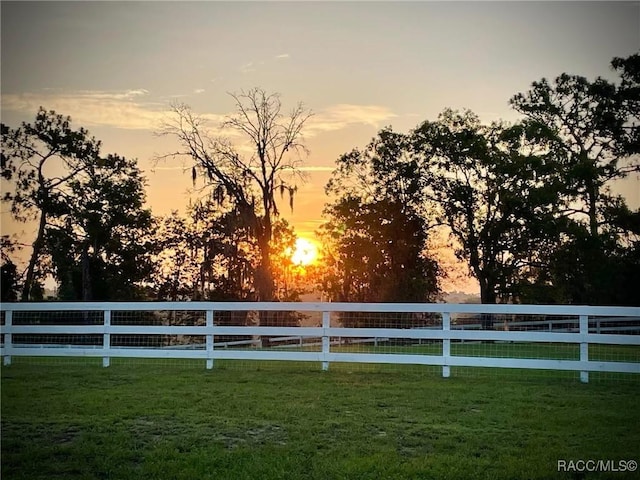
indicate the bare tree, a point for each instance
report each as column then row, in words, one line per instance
column 247, row 175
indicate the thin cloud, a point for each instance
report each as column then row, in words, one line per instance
column 133, row 93
column 128, row 110
column 198, row 91
column 248, row 67
column 251, row 67
column 282, row 56
column 133, row 110
column 117, row 95
column 125, row 110
column 337, row 117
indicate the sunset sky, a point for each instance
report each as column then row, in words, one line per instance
column 115, row 67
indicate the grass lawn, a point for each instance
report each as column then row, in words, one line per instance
column 558, row 351
column 152, row 420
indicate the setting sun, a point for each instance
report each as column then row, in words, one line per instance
column 305, row 252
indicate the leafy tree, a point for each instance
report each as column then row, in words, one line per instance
column 290, row 280
column 91, row 222
column 592, row 130
column 595, row 271
column 99, row 241
column 628, row 95
column 9, row 281
column 212, row 255
column 249, row 182
column 176, row 269
column 226, row 269
column 492, row 190
column 41, row 159
column 204, row 255
column 386, row 168
column 376, row 236
column 378, row 253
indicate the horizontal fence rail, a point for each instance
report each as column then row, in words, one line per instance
column 420, row 334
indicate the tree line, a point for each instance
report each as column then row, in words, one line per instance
column 528, row 205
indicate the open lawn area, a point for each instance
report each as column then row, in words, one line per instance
column 152, row 420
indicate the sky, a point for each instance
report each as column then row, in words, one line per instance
column 115, row 68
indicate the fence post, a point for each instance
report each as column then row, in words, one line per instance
column 106, row 338
column 446, row 344
column 584, row 346
column 209, row 339
column 8, row 321
column 326, row 323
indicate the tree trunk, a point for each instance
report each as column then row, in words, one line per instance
column 86, row 282
column 487, row 296
column 86, row 275
column 31, row 269
column 592, row 195
column 264, row 278
column 487, row 291
column 264, row 282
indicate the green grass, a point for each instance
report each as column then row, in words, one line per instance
column 558, row 351
column 539, row 350
column 146, row 419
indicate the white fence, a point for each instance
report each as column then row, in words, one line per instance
column 581, row 326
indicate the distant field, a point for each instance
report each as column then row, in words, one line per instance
column 145, row 419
